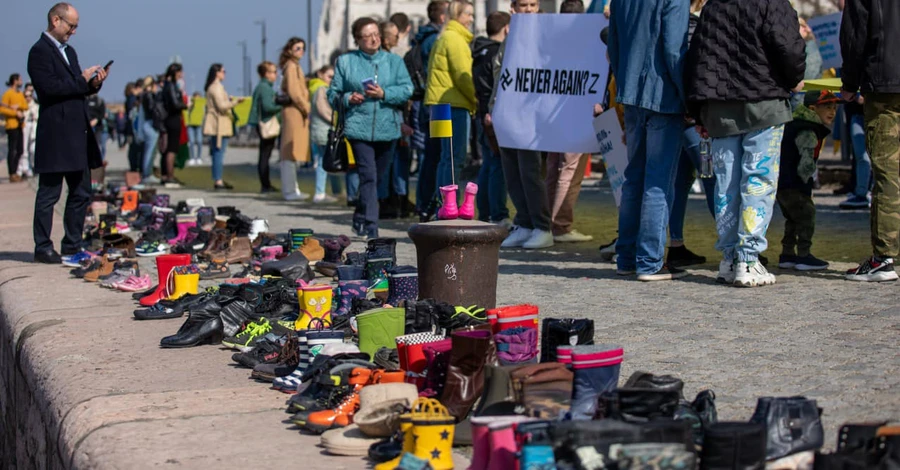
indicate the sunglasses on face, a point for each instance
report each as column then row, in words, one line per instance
column 72, row 26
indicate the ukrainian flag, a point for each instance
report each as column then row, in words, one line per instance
column 441, row 124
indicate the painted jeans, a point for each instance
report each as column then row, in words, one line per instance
column 746, row 169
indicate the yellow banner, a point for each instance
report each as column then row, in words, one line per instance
column 199, row 109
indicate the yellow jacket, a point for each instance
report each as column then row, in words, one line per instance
column 10, row 99
column 450, row 69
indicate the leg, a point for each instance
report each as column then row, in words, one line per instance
column 318, row 153
column 684, row 178
column 384, row 181
column 571, row 174
column 150, row 138
column 77, row 202
column 761, row 157
column 551, row 182
column 664, row 134
column 352, row 181
column 218, row 157
column 787, row 203
column 632, row 188
column 692, row 147
column 482, row 199
column 48, row 192
column 727, row 153
column 806, row 224
column 266, row 146
column 13, row 139
column 883, row 138
column 510, row 158
column 862, row 163
column 530, row 169
column 401, row 169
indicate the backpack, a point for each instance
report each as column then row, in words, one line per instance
column 416, row 68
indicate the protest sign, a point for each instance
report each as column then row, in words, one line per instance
column 827, row 30
column 554, row 71
column 608, row 135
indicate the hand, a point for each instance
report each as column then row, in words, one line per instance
column 93, row 123
column 598, row 109
column 702, row 131
column 89, row 72
column 406, row 130
column 356, row 98
column 100, row 77
column 375, row 91
column 861, row 100
column 848, row 96
column 606, row 11
column 20, row 115
column 487, row 120
column 799, row 87
column 241, row 100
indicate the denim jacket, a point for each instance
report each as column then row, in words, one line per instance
column 648, row 41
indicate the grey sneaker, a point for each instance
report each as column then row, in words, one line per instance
column 752, row 274
column 666, row 273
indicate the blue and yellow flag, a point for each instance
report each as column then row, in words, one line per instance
column 441, row 124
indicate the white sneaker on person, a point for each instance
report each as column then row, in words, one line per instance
column 539, row 239
column 296, row 196
column 726, row 272
column 323, row 199
column 572, row 237
column 517, row 237
column 152, row 179
column 608, row 251
column 505, row 223
column 752, row 274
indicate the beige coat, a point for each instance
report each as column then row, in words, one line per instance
column 217, row 121
column 295, row 116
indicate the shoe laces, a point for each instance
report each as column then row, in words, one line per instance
column 472, row 311
column 255, row 329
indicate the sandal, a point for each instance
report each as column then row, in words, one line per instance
column 216, row 270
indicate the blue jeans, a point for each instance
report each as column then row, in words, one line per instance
column 102, row 138
column 860, row 155
column 654, row 145
column 151, row 137
column 746, row 169
column 684, row 179
column 461, row 120
column 351, row 179
column 318, row 152
column 195, row 142
column 427, row 186
column 218, row 157
column 396, row 173
column 491, row 198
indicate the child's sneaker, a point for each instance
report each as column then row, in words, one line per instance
column 874, row 269
column 752, row 274
column 787, row 261
column 726, row 272
column 809, row 263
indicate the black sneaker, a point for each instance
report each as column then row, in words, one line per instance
column 787, row 261
column 680, row 256
column 666, row 273
column 265, row 352
column 874, row 269
column 809, row 263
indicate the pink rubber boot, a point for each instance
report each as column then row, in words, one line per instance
column 481, row 448
column 467, row 211
column 502, row 439
column 449, row 210
column 183, row 231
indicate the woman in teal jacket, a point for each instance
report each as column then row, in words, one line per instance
column 263, row 109
column 372, row 113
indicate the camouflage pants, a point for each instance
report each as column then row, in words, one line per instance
column 799, row 220
column 883, row 141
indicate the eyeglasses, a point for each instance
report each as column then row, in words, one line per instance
column 300, row 48
column 371, row 36
column 72, row 27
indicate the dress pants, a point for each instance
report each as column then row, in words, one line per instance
column 77, row 202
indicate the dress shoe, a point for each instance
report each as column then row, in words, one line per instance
column 196, row 333
column 47, row 257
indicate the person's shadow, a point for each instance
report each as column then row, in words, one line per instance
column 23, row 256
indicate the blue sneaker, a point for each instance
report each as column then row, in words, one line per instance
column 74, row 261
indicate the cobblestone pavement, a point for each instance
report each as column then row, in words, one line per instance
column 810, row 334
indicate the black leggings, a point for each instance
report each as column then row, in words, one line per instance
column 16, row 141
column 266, row 146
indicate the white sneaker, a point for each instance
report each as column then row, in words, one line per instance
column 608, row 252
column 752, row 275
column 259, row 226
column 726, row 272
column 572, row 237
column 505, row 223
column 323, row 199
column 298, row 196
column 517, row 237
column 152, row 179
column 539, row 239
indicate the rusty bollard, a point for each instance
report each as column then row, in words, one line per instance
column 458, row 261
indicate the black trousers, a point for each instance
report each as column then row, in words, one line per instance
column 77, row 202
column 135, row 155
column 15, row 139
column 266, row 146
column 372, row 159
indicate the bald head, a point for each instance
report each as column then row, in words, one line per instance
column 62, row 21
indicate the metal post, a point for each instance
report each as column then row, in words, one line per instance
column 309, row 39
column 262, row 23
column 245, row 79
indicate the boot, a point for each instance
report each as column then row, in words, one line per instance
column 738, row 446
column 465, row 375
column 206, row 218
column 481, row 448
column 516, row 346
column 389, row 452
column 566, row 331
column 104, row 268
column 411, row 353
column 792, row 425
column 240, row 251
column 164, row 266
column 658, row 456
column 403, row 285
column 563, row 355
column 379, row 328
column 342, row 415
column 202, row 326
column 535, row 442
column 336, row 377
column 297, row 236
column 161, row 200
column 496, row 399
column 467, row 211
column 235, row 314
column 107, row 225
column 596, row 371
column 433, row 436
column 424, row 410
column 258, row 227
column 512, row 316
column 315, row 306
column 183, row 230
column 349, row 290
column 449, row 209
column 312, row 249
column 334, row 249
column 502, row 440
column 186, row 281
column 312, row 342
column 129, row 201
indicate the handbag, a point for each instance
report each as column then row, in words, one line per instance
column 337, row 157
column 269, row 129
column 282, row 99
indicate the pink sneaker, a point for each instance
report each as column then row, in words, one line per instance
column 135, row 284
column 122, row 227
column 271, row 253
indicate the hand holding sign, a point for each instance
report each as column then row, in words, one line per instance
column 612, row 147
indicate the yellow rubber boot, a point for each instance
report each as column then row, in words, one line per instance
column 185, row 284
column 315, row 304
column 433, row 436
column 421, row 407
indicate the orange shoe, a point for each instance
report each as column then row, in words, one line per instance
column 341, row 416
column 381, row 376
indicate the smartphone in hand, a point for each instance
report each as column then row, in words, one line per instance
column 368, row 82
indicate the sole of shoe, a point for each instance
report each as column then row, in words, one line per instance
column 724, row 280
column 538, row 247
column 787, row 265
column 753, row 282
column 876, row 277
column 317, row 428
column 808, row 267
column 568, row 239
column 661, row 277
column 625, row 273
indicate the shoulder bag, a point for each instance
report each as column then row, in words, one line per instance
column 336, row 158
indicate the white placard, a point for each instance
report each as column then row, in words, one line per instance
column 554, row 71
column 608, row 135
column 827, row 30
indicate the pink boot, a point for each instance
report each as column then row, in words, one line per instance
column 183, row 231
column 481, row 450
column 467, row 211
column 502, row 439
column 449, row 209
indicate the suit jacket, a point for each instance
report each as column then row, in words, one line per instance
column 65, row 141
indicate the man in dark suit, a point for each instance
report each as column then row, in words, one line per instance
column 65, row 147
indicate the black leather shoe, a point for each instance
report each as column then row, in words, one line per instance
column 202, row 332
column 47, row 257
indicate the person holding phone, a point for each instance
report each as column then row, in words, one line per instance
column 217, row 124
column 372, row 86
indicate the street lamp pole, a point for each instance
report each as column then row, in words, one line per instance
column 244, row 60
column 309, row 33
column 262, row 23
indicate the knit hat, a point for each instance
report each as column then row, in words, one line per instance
column 813, row 98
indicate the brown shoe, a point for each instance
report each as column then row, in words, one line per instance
column 104, row 269
column 312, row 249
column 14, row 178
column 240, row 251
column 219, row 241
